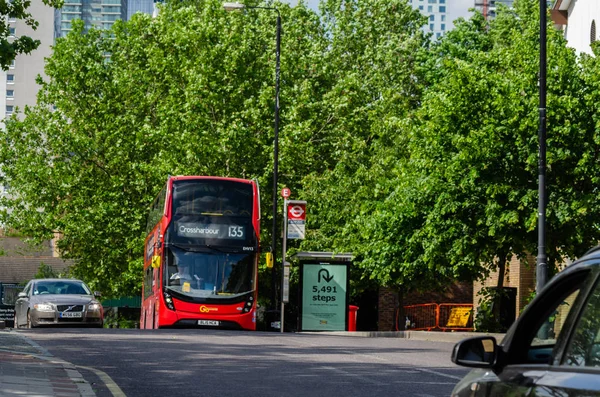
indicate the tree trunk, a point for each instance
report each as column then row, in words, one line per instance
column 501, row 269
column 498, row 294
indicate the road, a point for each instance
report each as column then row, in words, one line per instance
column 186, row 362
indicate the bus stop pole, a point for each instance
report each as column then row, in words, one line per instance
column 284, row 266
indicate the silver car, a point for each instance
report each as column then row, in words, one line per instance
column 56, row 301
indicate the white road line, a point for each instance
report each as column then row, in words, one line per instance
column 431, row 371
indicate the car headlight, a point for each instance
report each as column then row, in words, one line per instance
column 43, row 307
column 94, row 307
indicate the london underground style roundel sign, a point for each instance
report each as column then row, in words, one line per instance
column 296, row 212
column 295, row 219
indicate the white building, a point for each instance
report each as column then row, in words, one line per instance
column 17, row 84
column 489, row 7
column 578, row 20
column 442, row 13
column 100, row 14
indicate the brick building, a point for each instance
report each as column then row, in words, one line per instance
column 19, row 261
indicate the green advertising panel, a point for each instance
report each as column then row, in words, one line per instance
column 324, row 297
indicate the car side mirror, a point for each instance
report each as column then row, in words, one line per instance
column 97, row 294
column 22, row 295
column 478, row 352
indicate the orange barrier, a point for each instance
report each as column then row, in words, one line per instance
column 434, row 316
column 421, row 317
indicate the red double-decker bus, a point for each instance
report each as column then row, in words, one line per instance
column 201, row 256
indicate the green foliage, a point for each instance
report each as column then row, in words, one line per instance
column 189, row 92
column 46, row 271
column 10, row 47
column 418, row 157
column 528, row 300
column 117, row 319
column 487, row 318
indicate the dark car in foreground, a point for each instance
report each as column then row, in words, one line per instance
column 553, row 349
column 57, row 301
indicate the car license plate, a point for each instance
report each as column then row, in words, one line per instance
column 70, row 314
column 212, row 323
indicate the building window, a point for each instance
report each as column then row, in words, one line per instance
column 12, row 64
column 111, row 9
column 429, row 8
column 420, row 8
column 431, row 26
column 438, row 35
column 431, row 18
column 11, row 31
column 9, row 109
column 10, row 78
column 442, row 8
column 443, row 26
column 10, row 94
column 432, row 1
column 443, row 18
column 442, row 1
column 593, row 32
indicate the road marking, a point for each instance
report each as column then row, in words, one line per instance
column 350, row 352
column 107, row 380
column 353, row 375
column 439, row 373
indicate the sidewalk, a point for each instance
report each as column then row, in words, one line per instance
column 27, row 370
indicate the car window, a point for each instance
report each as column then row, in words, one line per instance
column 584, row 348
column 27, row 289
column 554, row 323
column 542, row 329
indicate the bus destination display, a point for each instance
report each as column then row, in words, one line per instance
column 211, row 231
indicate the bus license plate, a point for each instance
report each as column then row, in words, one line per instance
column 70, row 314
column 212, row 323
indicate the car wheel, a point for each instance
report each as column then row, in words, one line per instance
column 29, row 324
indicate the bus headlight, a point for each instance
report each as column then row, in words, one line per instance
column 169, row 301
column 248, row 305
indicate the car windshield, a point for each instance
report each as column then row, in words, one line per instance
column 61, row 288
column 213, row 275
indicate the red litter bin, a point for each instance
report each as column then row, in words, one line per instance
column 352, row 314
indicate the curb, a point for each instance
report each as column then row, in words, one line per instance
column 450, row 337
column 83, row 387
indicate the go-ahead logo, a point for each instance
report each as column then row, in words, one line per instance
column 206, row 309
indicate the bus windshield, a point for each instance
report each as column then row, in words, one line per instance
column 208, row 274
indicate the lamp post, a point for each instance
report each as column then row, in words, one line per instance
column 239, row 6
column 541, row 265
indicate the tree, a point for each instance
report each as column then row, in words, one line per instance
column 452, row 193
column 11, row 47
column 372, row 56
column 189, row 92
